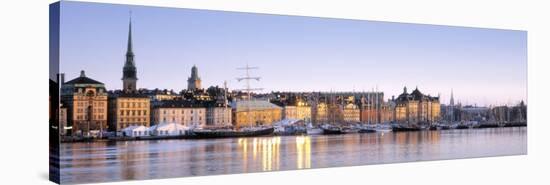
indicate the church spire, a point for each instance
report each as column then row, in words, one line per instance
column 129, row 49
column 452, row 98
column 129, row 71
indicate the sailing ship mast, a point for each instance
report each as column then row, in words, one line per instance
column 248, row 89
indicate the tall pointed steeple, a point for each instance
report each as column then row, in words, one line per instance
column 129, row 76
column 129, row 50
column 452, row 102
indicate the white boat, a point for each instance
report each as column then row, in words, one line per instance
column 383, row 128
column 311, row 130
column 314, row 131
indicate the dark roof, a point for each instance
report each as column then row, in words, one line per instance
column 415, row 95
column 83, row 80
column 127, row 94
column 180, row 104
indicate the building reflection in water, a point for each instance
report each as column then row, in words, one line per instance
column 267, row 152
column 125, row 160
column 303, row 152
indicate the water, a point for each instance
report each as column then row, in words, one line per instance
column 130, row 160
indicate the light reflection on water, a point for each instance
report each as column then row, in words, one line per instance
column 113, row 161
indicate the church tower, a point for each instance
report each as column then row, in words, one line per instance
column 452, row 103
column 194, row 82
column 451, row 108
column 129, row 77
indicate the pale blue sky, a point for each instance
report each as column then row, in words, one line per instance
column 483, row 66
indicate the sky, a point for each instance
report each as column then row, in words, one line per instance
column 293, row 53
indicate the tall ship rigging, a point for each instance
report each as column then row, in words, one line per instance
column 250, row 129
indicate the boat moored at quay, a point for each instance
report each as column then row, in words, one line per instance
column 225, row 133
column 405, row 128
column 330, row 130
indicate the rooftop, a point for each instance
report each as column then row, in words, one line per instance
column 244, row 105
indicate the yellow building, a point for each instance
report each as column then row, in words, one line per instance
column 255, row 113
column 128, row 109
column 351, row 112
column 416, row 108
column 321, row 113
column 300, row 111
column 86, row 101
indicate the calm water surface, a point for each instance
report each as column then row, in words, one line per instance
column 129, row 160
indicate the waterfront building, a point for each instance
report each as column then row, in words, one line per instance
column 289, row 112
column 255, row 113
column 218, row 115
column 519, row 112
column 335, row 112
column 218, row 112
column 373, row 108
column 387, row 112
column 474, row 113
column 86, row 102
column 321, row 113
column 351, row 113
column 298, row 110
column 416, row 108
column 507, row 114
column 194, row 82
column 128, row 109
column 303, row 111
column 182, row 112
column 500, row 114
column 294, row 105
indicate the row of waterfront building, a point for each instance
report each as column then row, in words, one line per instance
column 87, row 108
